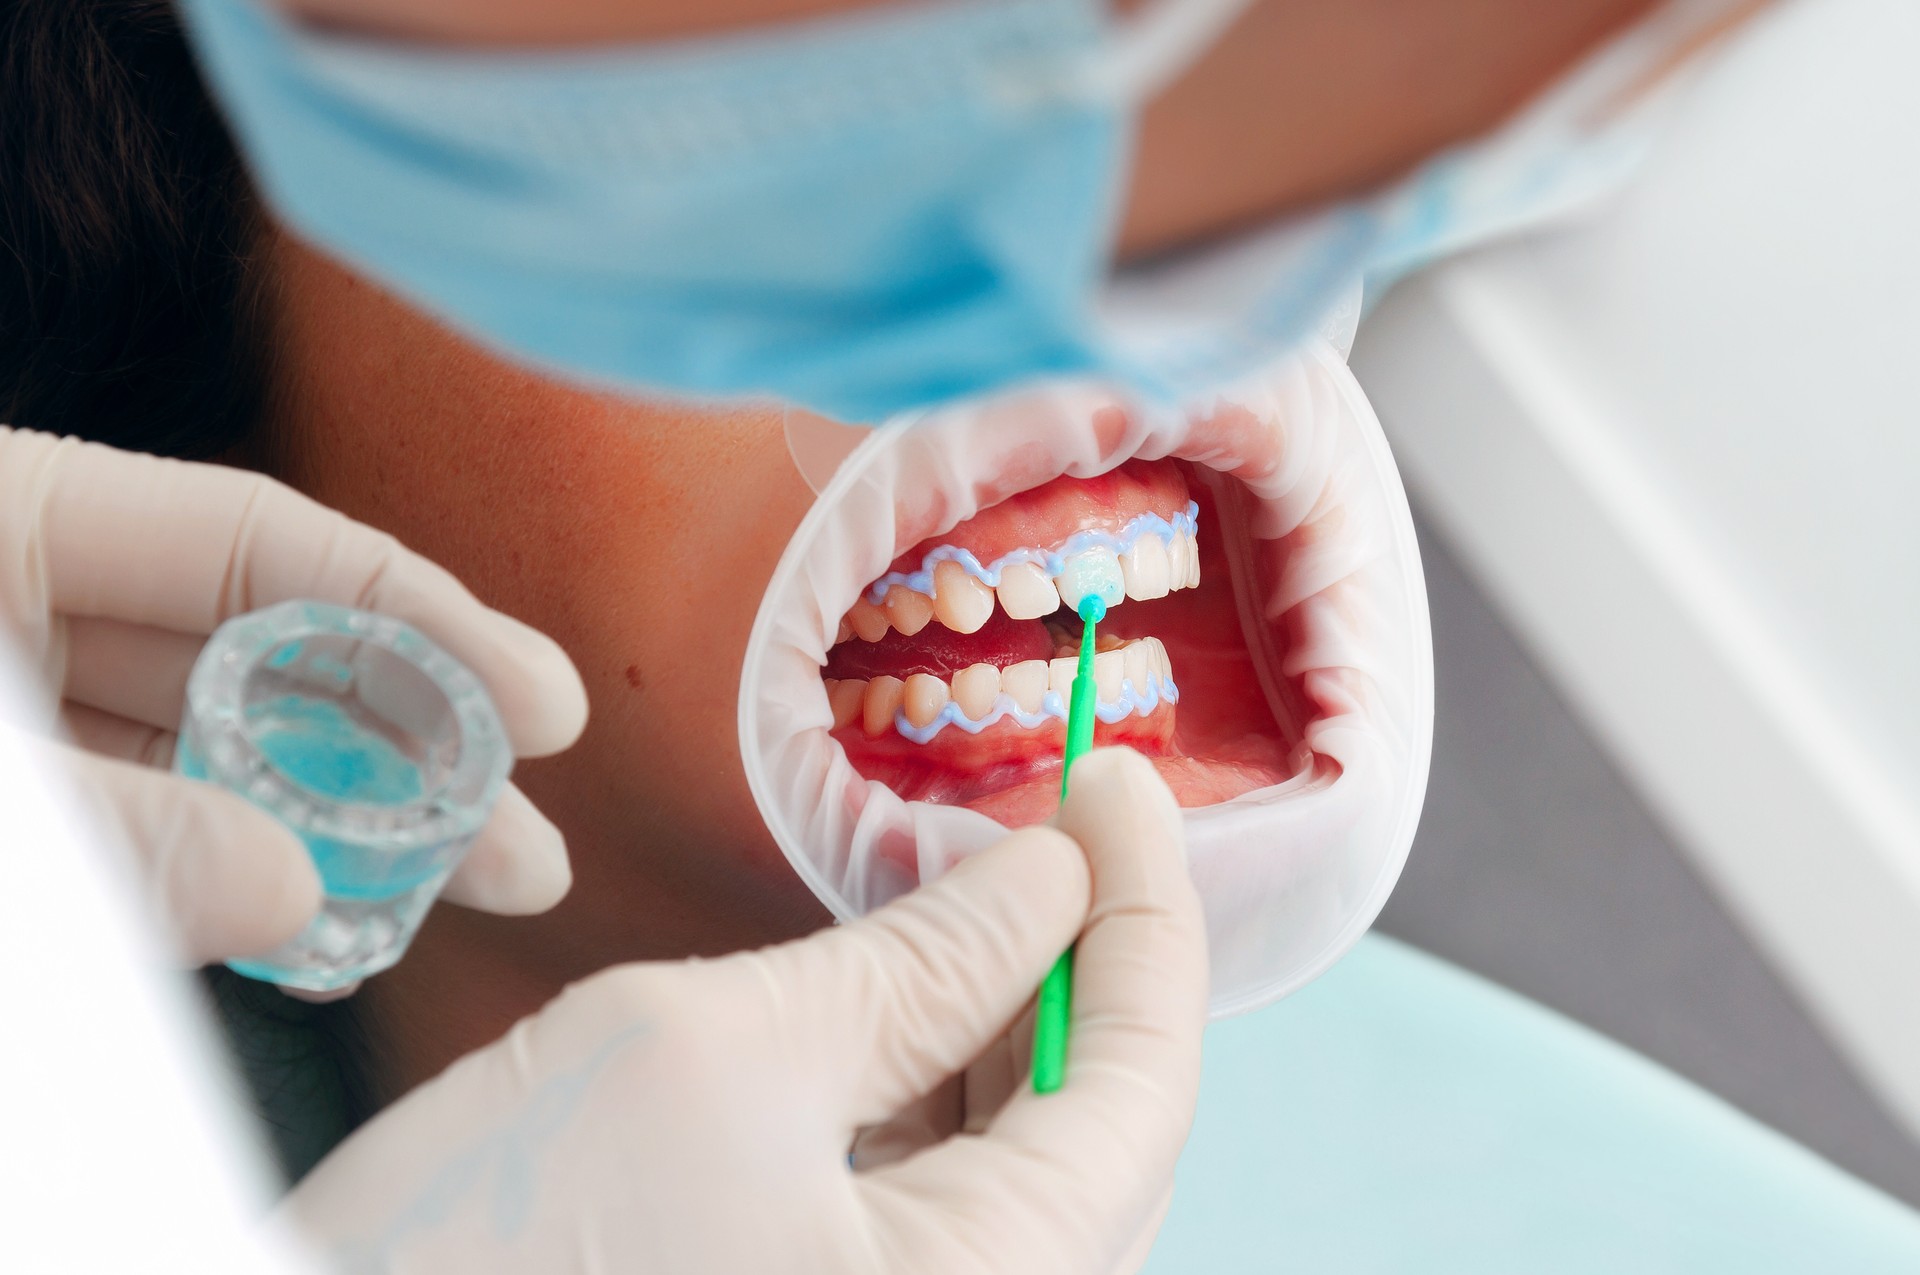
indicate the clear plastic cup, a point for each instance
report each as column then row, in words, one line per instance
column 383, row 753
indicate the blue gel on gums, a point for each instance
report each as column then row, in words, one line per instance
column 1141, row 700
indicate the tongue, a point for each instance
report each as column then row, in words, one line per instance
column 937, row 649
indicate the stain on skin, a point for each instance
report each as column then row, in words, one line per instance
column 635, row 679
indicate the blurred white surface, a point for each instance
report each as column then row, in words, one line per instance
column 118, row 1152
column 1679, row 442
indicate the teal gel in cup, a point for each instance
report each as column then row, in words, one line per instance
column 383, row 753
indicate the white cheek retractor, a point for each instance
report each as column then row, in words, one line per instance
column 1327, row 579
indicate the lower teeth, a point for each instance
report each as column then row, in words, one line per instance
column 1135, row 678
column 1132, row 702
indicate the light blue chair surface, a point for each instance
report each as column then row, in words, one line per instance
column 1403, row 1116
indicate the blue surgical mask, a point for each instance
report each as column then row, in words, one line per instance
column 861, row 214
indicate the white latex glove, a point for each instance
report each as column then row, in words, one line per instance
column 115, row 567
column 697, row 1117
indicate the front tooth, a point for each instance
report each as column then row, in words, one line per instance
column 924, row 697
column 1026, row 682
column 1162, row 663
column 1109, row 670
column 1148, row 571
column 868, row 620
column 1095, row 572
column 1193, row 562
column 961, row 602
column 845, row 698
column 975, row 688
column 1060, row 675
column 883, row 701
column 1027, row 592
column 845, row 632
column 1177, row 559
column 909, row 609
column 1138, row 661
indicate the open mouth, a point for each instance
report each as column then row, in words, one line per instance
column 951, row 673
column 1265, row 644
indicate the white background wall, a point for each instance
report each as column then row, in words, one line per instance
column 1680, row 445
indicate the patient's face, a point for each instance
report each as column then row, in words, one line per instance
column 642, row 537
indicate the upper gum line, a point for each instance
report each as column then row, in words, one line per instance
column 1147, row 558
column 1049, row 560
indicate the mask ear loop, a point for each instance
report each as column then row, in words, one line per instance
column 819, row 445
column 1154, row 48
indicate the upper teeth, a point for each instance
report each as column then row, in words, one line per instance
column 960, row 602
column 1027, row 592
column 1148, row 560
column 1093, row 574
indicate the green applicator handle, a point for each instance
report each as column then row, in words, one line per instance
column 1054, row 1010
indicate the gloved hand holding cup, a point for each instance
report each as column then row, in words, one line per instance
column 381, row 751
column 115, row 567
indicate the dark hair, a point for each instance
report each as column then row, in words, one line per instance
column 127, row 316
column 126, row 224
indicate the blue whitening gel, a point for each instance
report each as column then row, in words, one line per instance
column 1132, row 700
column 380, row 751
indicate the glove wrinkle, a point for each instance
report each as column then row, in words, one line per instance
column 385, row 557
column 235, row 591
column 515, row 1056
column 29, row 614
column 976, row 1195
column 915, row 1223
